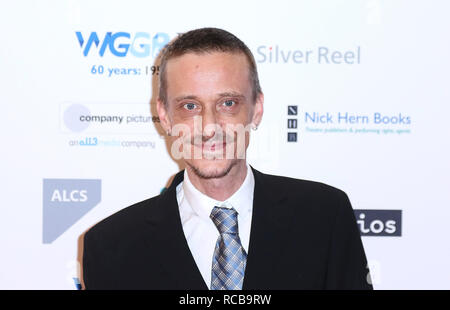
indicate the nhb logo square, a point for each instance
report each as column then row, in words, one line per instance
column 292, row 110
column 292, row 137
column 292, row 123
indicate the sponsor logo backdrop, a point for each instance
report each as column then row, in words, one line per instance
column 356, row 96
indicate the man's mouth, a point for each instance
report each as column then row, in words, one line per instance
column 213, row 146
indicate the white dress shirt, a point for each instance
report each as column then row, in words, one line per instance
column 200, row 232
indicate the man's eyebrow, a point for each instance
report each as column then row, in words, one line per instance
column 224, row 94
column 180, row 98
column 231, row 94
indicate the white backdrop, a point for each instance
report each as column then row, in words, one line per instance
column 369, row 81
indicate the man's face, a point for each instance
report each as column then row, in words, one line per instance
column 210, row 96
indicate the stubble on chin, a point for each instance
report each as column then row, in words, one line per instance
column 212, row 174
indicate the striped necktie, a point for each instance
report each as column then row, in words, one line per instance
column 230, row 258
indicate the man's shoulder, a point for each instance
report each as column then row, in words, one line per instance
column 127, row 219
column 296, row 186
column 306, row 198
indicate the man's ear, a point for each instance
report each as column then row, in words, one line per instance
column 163, row 115
column 258, row 110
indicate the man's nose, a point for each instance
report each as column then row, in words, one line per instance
column 209, row 123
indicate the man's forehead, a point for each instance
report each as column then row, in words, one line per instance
column 208, row 57
column 215, row 74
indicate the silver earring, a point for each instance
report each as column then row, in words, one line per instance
column 255, row 127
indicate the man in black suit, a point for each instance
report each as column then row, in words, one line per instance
column 222, row 224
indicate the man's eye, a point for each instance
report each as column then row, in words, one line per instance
column 229, row 103
column 189, row 106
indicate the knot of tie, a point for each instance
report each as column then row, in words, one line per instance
column 225, row 220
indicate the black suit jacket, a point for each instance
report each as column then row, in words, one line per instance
column 303, row 236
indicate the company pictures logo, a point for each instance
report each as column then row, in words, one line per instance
column 383, row 223
column 121, row 44
column 65, row 201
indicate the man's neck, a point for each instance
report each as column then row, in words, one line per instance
column 220, row 188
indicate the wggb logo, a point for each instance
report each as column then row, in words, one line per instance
column 65, row 201
column 119, row 44
column 383, row 223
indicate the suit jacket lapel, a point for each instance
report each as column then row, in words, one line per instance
column 268, row 231
column 167, row 235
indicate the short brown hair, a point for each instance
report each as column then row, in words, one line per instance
column 205, row 40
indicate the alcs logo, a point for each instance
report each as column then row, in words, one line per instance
column 120, row 43
column 65, row 196
column 65, row 201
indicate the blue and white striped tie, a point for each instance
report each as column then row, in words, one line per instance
column 230, row 258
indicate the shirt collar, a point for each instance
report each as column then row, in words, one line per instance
column 241, row 200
